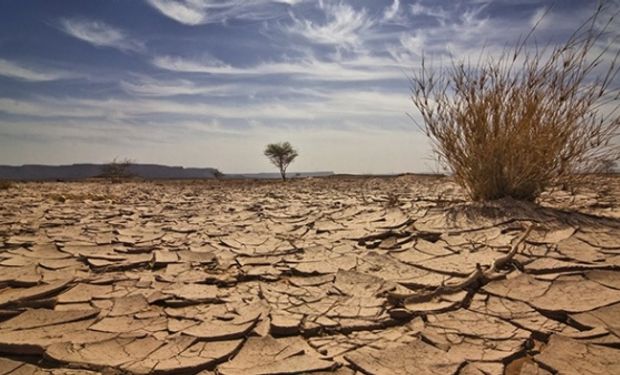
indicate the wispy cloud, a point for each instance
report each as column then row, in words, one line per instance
column 197, row 12
column 437, row 12
column 362, row 106
column 393, row 12
column 343, row 25
column 100, row 34
column 14, row 70
column 187, row 12
column 144, row 86
column 363, row 68
column 464, row 33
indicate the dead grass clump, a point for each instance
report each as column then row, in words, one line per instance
column 117, row 171
column 514, row 125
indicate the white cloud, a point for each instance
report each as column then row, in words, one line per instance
column 145, row 86
column 414, row 43
column 373, row 103
column 204, row 65
column 361, row 68
column 198, row 12
column 43, row 109
column 464, row 34
column 13, row 70
column 344, row 25
column 188, row 13
column 100, row 34
column 331, row 106
column 391, row 12
column 437, row 12
column 289, row 2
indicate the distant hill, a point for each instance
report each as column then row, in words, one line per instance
column 34, row 172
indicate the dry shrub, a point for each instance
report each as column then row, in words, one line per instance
column 117, row 171
column 514, row 125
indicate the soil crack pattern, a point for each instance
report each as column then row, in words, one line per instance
column 337, row 275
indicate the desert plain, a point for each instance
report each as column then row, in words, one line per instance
column 335, row 275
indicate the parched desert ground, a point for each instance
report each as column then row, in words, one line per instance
column 338, row 275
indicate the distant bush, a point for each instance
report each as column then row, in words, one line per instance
column 217, row 174
column 281, row 155
column 5, row 185
column 116, row 171
column 514, row 125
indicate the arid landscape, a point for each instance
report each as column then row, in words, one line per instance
column 254, row 187
column 344, row 275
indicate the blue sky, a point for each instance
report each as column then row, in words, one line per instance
column 209, row 83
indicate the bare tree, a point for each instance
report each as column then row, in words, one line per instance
column 281, row 155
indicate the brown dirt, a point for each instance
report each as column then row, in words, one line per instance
column 345, row 275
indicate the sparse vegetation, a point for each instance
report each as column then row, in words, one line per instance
column 514, row 125
column 5, row 185
column 218, row 174
column 281, row 155
column 116, row 171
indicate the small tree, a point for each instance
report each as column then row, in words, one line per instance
column 281, row 155
column 116, row 170
column 514, row 125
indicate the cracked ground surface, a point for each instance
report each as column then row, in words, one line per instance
column 333, row 275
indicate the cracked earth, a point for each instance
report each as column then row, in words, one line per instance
column 330, row 275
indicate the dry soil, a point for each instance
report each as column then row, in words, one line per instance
column 343, row 275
